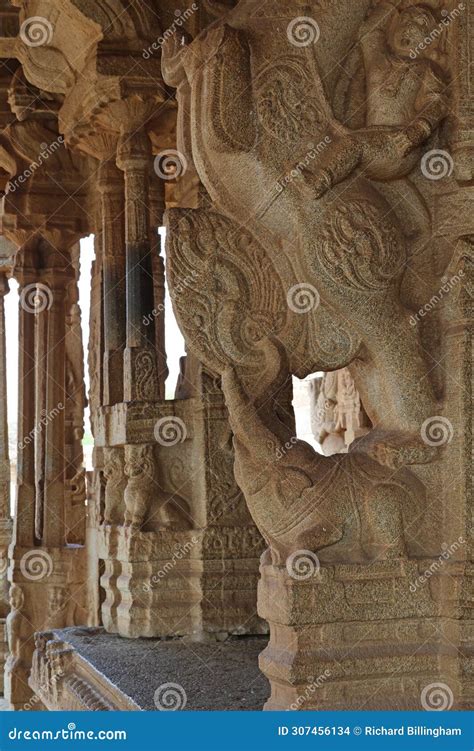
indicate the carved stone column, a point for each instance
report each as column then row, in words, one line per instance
column 156, row 196
column 140, row 370
column 54, row 530
column 231, row 543
column 24, row 521
column 5, row 514
column 111, row 189
column 41, row 348
column 4, row 450
column 19, row 628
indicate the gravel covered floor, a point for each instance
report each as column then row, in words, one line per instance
column 216, row 675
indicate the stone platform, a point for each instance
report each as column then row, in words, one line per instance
column 117, row 673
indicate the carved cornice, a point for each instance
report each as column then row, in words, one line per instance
column 64, row 680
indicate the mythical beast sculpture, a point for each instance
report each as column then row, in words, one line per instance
column 304, row 261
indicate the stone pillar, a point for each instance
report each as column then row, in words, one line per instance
column 75, row 481
column 232, row 544
column 140, row 372
column 54, row 476
column 41, row 320
column 4, row 451
column 24, row 521
column 96, row 334
column 5, row 515
column 19, row 628
column 157, row 207
column 111, row 189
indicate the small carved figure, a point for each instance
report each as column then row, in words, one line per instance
column 327, row 432
column 57, row 607
column 406, row 99
column 115, row 484
column 140, row 470
column 14, row 623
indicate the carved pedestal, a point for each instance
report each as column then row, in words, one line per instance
column 179, row 551
column 151, row 581
column 358, row 637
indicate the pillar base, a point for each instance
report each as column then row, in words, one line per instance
column 356, row 637
column 157, row 584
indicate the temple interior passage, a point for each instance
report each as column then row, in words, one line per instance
column 236, row 285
